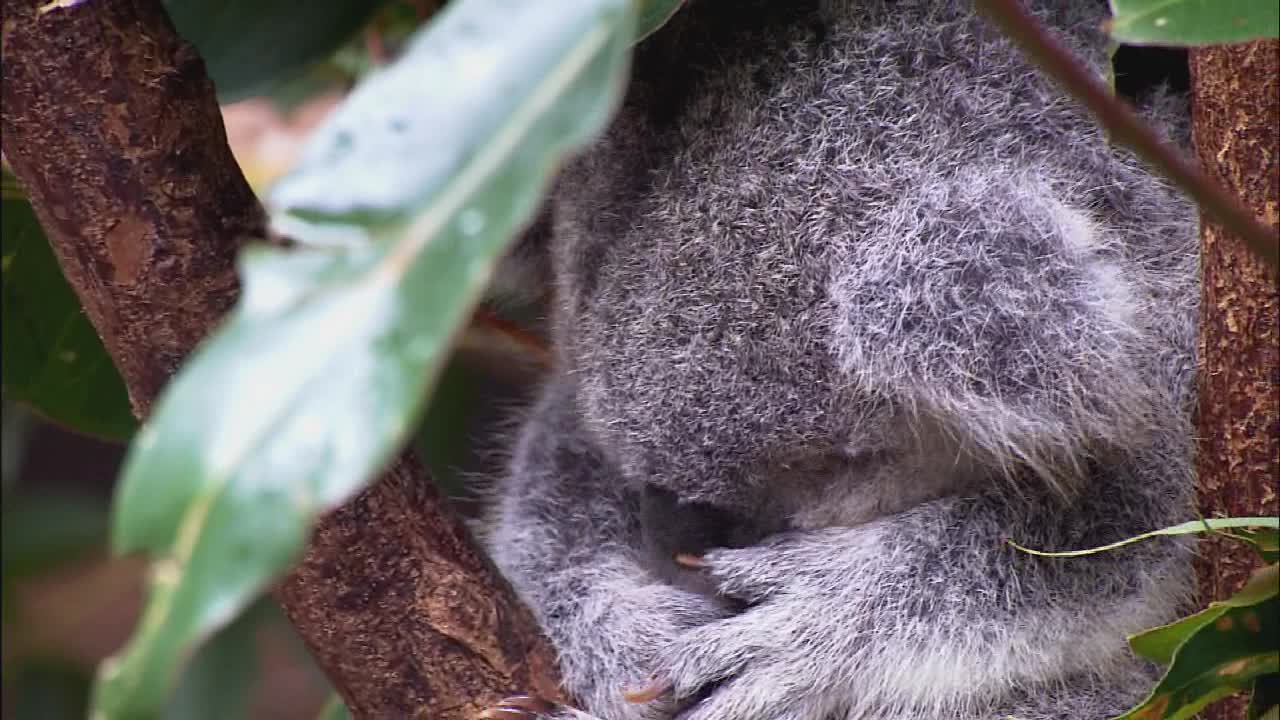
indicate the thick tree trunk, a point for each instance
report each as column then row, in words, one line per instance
column 112, row 126
column 1237, row 135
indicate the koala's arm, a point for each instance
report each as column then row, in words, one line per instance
column 566, row 534
column 929, row 614
column 989, row 306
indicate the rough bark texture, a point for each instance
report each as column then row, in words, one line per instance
column 1237, row 135
column 400, row 608
column 112, row 126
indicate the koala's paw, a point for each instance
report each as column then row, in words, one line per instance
column 786, row 656
column 528, row 707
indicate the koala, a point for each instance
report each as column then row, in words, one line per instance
column 848, row 295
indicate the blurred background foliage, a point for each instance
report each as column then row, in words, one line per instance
column 67, row 603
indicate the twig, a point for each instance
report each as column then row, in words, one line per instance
column 1126, row 127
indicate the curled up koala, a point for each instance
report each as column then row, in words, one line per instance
column 848, row 295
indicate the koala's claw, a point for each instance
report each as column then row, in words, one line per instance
column 648, row 692
column 690, row 561
column 520, row 707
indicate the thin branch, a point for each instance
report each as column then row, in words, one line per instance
column 1128, row 128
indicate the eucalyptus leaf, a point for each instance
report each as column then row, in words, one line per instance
column 1161, row 643
column 54, row 361
column 401, row 206
column 251, row 46
column 1221, row 658
column 1193, row 22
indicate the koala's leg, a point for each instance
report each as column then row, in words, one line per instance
column 566, row 533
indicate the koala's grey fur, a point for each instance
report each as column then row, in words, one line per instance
column 858, row 277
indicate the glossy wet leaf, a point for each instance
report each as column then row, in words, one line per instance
column 401, row 207
column 53, row 360
column 250, row 46
column 1193, row 22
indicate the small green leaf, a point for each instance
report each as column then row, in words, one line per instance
column 53, row 360
column 1221, row 658
column 1186, row 528
column 401, row 207
column 1159, row 644
column 1193, row 22
column 250, row 46
column 653, row 14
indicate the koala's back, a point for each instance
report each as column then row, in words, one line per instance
column 854, row 275
column 747, row 263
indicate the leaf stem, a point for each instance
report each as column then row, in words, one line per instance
column 1125, row 126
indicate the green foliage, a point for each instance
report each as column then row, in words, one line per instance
column 1226, row 648
column 1231, row 646
column 54, row 361
column 1193, row 22
column 251, row 46
column 1214, row 653
column 348, row 331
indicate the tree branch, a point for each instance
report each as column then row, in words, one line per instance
column 1237, row 113
column 112, row 126
column 1126, row 127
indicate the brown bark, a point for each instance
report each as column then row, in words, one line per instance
column 112, row 126
column 1237, row 135
column 401, row 609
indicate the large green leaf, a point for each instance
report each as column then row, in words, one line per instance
column 410, row 194
column 53, row 360
column 1193, row 22
column 249, row 46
